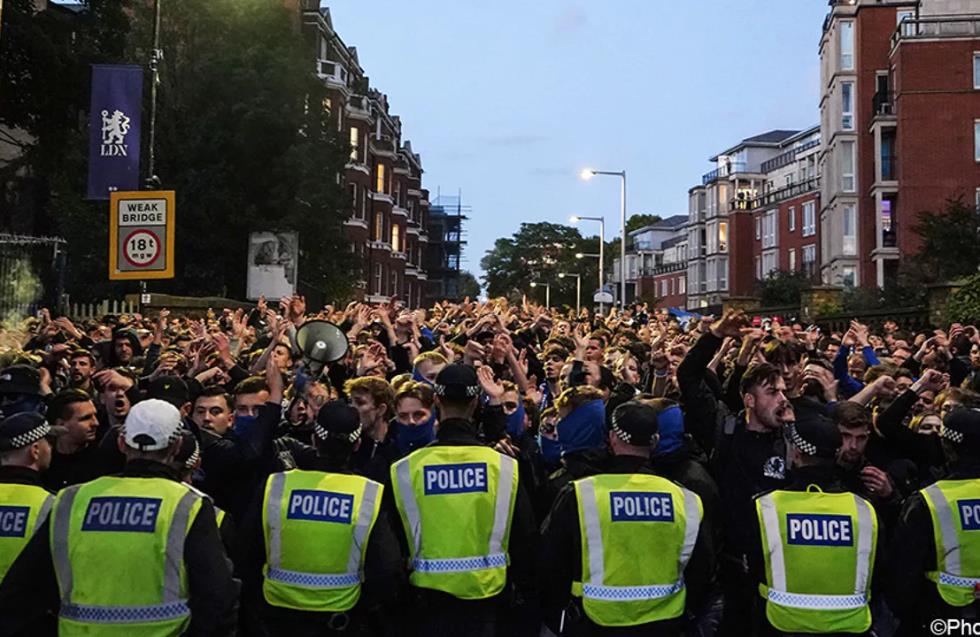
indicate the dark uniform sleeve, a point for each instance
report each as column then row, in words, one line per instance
column 29, row 593
column 912, row 553
column 213, row 590
column 699, row 403
column 701, row 567
column 559, row 563
column 384, row 577
column 523, row 543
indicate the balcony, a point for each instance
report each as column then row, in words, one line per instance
column 334, row 74
column 399, row 255
column 666, row 268
column 889, row 168
column 398, row 210
column 383, row 147
column 937, row 27
column 721, row 172
column 775, row 196
column 778, row 161
column 643, row 245
column 358, row 108
column 380, row 196
column 883, row 104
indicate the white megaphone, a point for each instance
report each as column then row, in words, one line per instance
column 320, row 342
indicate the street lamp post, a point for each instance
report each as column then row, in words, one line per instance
column 578, row 289
column 589, row 174
column 547, row 292
column 602, row 252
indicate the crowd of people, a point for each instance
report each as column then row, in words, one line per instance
column 489, row 468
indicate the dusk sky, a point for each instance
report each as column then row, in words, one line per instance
column 510, row 100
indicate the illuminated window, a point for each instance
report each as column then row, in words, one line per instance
column 379, row 222
column 723, row 236
column 396, row 237
column 381, row 179
column 355, row 138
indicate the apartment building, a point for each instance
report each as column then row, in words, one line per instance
column 386, row 229
column 719, row 227
column 786, row 233
column 656, row 260
column 900, row 124
column 446, row 240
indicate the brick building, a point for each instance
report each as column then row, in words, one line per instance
column 656, row 258
column 386, row 230
column 900, row 120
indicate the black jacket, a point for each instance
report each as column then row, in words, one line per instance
column 99, row 458
column 29, row 597
column 560, row 563
column 384, row 573
column 10, row 474
column 912, row 554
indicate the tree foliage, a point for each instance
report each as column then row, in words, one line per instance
column 782, row 288
column 468, row 285
column 539, row 252
column 964, row 304
column 244, row 136
column 638, row 221
column 950, row 247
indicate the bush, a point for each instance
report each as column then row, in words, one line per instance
column 964, row 304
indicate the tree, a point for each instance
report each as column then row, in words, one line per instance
column 782, row 288
column 638, row 221
column 950, row 242
column 468, row 286
column 964, row 304
column 539, row 252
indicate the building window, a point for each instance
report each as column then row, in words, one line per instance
column 847, row 105
column 849, row 246
column 353, row 197
column 847, row 164
column 377, row 278
column 355, row 142
column 976, row 70
column 712, row 230
column 663, row 287
column 848, row 276
column 809, row 219
column 723, row 236
column 379, row 224
column 681, row 285
column 396, row 237
column 901, row 16
column 758, row 268
column 758, row 227
column 394, row 284
column 769, row 230
column 723, row 273
column 792, row 218
column 809, row 259
column 792, row 259
column 847, row 45
column 976, row 199
column 976, row 139
column 381, row 178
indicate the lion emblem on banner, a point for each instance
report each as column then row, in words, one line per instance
column 114, row 127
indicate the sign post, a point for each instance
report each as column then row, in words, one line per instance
column 141, row 235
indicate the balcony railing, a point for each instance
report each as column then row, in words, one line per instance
column 729, row 168
column 889, row 237
column 883, row 104
column 665, row 268
column 937, row 27
column 773, row 197
column 332, row 70
column 778, row 161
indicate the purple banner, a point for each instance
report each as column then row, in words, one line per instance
column 114, row 129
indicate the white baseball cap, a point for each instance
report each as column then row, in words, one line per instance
column 152, row 425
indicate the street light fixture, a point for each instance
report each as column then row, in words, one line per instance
column 587, row 174
column 547, row 292
column 578, row 289
column 602, row 250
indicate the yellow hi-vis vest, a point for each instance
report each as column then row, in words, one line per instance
column 819, row 551
column 638, row 533
column 118, row 550
column 955, row 509
column 23, row 508
column 456, row 504
column 316, row 528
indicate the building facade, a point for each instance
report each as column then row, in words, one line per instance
column 383, row 175
column 900, row 121
column 655, row 262
column 444, row 251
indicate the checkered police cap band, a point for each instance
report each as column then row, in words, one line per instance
column 30, row 437
column 621, row 433
column 794, row 437
column 471, row 391
column 323, row 434
column 194, row 457
column 951, row 434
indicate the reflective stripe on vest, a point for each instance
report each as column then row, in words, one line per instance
column 365, row 517
column 23, row 509
column 819, row 549
column 950, row 533
column 595, row 587
column 172, row 606
column 434, row 483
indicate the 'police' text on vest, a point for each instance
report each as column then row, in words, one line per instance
column 115, row 513
column 470, row 477
column 320, row 506
column 819, row 529
column 969, row 514
column 13, row 521
column 645, row 506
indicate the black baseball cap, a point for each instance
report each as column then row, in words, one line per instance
column 635, row 423
column 814, row 434
column 337, row 420
column 171, row 389
column 20, row 379
column 457, row 382
column 962, row 427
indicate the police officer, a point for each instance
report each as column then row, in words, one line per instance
column 817, row 542
column 624, row 552
column 328, row 558
column 25, row 451
column 465, row 519
column 934, row 562
column 136, row 554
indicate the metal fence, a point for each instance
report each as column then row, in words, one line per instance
column 31, row 274
column 83, row 311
